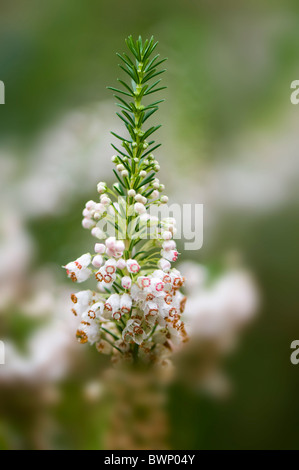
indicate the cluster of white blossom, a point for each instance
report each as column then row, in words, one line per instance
column 137, row 302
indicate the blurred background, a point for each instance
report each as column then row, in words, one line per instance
column 230, row 141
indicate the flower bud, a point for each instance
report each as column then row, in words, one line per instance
column 139, row 208
column 90, row 205
column 164, row 264
column 86, row 213
column 126, row 282
column 119, row 246
column 105, row 200
column 101, row 187
column 110, row 242
column 169, row 245
column 97, row 261
column 97, row 233
column 121, row 264
column 167, row 235
column 171, row 255
column 99, row 248
column 88, row 223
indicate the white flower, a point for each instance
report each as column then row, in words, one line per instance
column 139, row 208
column 97, row 233
column 93, row 311
column 104, row 199
column 125, row 303
column 90, row 205
column 97, row 261
column 134, row 332
column 105, row 278
column 115, row 247
column 176, row 278
column 110, row 242
column 81, row 301
column 144, row 282
column 164, row 264
column 131, row 193
column 88, row 331
column 169, row 245
column 112, row 306
column 132, row 266
column 166, row 235
column 99, row 248
column 110, row 266
column 151, row 310
column 126, row 282
column 101, row 187
column 78, row 270
column 99, row 210
column 88, row 223
column 157, row 286
column 171, row 255
column 121, row 263
column 119, row 246
column 86, row 213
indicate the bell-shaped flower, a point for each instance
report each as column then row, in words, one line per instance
column 78, row 270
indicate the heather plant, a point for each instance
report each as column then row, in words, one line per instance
column 134, row 312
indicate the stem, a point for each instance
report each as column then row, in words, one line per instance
column 113, row 345
column 109, row 333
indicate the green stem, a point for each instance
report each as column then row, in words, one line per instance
column 109, row 333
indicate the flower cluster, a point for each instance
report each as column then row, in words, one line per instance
column 135, row 311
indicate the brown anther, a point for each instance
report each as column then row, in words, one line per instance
column 91, row 314
column 81, row 336
column 99, row 276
